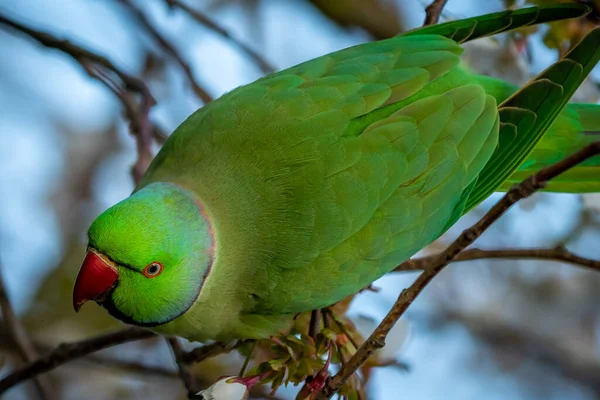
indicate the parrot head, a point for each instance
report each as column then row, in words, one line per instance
column 148, row 256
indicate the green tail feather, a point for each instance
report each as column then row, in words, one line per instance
column 576, row 128
column 523, row 117
column 491, row 24
column 526, row 115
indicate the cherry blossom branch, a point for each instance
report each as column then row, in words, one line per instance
column 518, row 192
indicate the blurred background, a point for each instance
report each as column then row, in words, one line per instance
column 483, row 329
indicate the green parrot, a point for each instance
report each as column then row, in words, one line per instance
column 295, row 191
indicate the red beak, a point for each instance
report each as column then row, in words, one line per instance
column 96, row 277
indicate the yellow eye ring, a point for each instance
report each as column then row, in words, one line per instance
column 153, row 269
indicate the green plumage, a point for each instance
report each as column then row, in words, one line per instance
column 321, row 178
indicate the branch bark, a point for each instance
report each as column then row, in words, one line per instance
column 433, row 12
column 558, row 254
column 70, row 351
column 407, row 296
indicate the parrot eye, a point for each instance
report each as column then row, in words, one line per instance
column 152, row 270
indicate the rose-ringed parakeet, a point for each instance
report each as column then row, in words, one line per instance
column 295, row 191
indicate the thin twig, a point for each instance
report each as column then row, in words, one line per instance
column 433, row 12
column 169, row 49
column 19, row 337
column 66, row 352
column 133, row 367
column 208, row 23
column 184, row 372
column 558, row 254
column 133, row 113
column 407, row 296
column 77, row 53
column 104, row 70
column 315, row 324
column 208, row 351
column 247, row 359
column 102, row 361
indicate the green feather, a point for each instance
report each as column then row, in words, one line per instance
column 577, row 126
column 527, row 114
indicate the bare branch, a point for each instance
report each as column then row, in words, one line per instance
column 208, row 23
column 184, row 373
column 433, row 12
column 137, row 116
column 315, row 324
column 407, row 296
column 169, row 49
column 103, row 69
column 77, row 53
column 133, row 367
column 559, row 254
column 70, row 351
column 208, row 351
column 19, row 337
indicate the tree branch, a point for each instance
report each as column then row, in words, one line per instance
column 433, row 12
column 19, row 337
column 184, row 373
column 208, row 23
column 407, row 296
column 558, row 254
column 169, row 49
column 69, row 351
column 103, row 69
column 137, row 116
column 314, row 326
column 208, row 351
column 133, row 367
